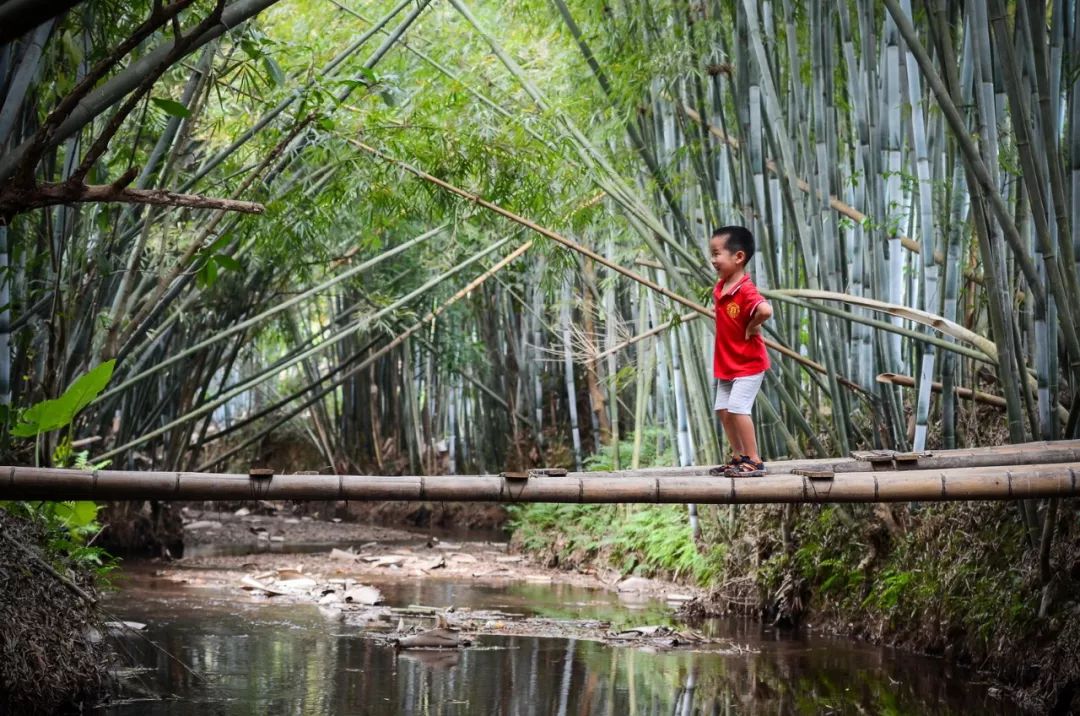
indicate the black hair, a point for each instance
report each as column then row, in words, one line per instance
column 737, row 238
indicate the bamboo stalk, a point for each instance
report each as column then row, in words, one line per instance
column 574, row 246
column 271, row 311
column 328, row 343
column 370, row 359
column 568, row 372
column 979, row 397
column 976, row 483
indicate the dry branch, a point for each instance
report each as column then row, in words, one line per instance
column 17, row 201
column 967, row 393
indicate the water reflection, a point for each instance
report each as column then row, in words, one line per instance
column 292, row 660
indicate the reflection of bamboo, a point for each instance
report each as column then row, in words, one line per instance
column 568, row 670
column 686, row 703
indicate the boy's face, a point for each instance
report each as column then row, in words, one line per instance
column 725, row 262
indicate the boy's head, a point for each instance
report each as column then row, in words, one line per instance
column 731, row 248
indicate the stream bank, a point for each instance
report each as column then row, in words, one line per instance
column 959, row 581
column 540, row 639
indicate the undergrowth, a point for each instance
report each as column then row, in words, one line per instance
column 653, row 540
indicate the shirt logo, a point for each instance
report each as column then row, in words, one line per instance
column 732, row 310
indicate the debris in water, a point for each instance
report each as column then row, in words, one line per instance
column 364, row 595
column 431, row 564
column 437, row 638
column 250, row 583
column 203, row 525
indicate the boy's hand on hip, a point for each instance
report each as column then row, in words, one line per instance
column 752, row 331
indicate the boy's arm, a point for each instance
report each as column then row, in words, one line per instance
column 761, row 313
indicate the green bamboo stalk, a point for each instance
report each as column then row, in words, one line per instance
column 328, row 343
column 273, row 310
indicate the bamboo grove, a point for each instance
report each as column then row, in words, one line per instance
column 449, row 236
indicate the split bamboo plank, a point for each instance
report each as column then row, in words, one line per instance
column 1032, row 453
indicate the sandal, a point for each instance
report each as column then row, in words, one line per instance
column 746, row 468
column 722, row 470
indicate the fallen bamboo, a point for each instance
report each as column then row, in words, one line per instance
column 967, row 393
column 973, row 483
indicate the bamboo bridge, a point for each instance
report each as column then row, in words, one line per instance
column 1013, row 472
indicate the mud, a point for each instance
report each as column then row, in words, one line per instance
column 300, row 560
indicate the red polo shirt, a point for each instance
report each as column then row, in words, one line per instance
column 733, row 355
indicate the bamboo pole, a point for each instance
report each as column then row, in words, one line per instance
column 353, row 328
column 979, row 397
column 272, row 310
column 999, row 455
column 974, row 483
column 369, row 359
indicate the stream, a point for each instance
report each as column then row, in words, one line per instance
column 285, row 658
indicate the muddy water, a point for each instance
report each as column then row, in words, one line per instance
column 277, row 659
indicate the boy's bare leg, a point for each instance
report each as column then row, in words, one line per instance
column 743, row 427
column 727, row 420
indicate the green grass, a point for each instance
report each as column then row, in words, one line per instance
column 653, row 540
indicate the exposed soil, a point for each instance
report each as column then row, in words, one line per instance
column 471, row 515
column 339, row 579
column 147, row 528
column 265, row 526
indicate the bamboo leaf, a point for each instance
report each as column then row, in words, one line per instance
column 227, row 262
column 171, row 107
column 208, row 274
column 273, row 71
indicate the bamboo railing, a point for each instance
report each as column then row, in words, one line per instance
column 966, row 483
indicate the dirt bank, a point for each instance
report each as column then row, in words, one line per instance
column 964, row 581
column 52, row 656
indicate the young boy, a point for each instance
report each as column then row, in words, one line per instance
column 739, row 356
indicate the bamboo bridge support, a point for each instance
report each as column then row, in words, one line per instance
column 967, row 483
column 1007, row 472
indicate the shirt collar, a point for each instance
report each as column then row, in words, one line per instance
column 734, row 289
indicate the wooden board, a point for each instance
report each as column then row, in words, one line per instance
column 873, row 455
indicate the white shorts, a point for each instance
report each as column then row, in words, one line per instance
column 737, row 396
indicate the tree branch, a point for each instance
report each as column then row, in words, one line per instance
column 118, row 86
column 17, row 201
column 181, row 48
column 41, row 139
